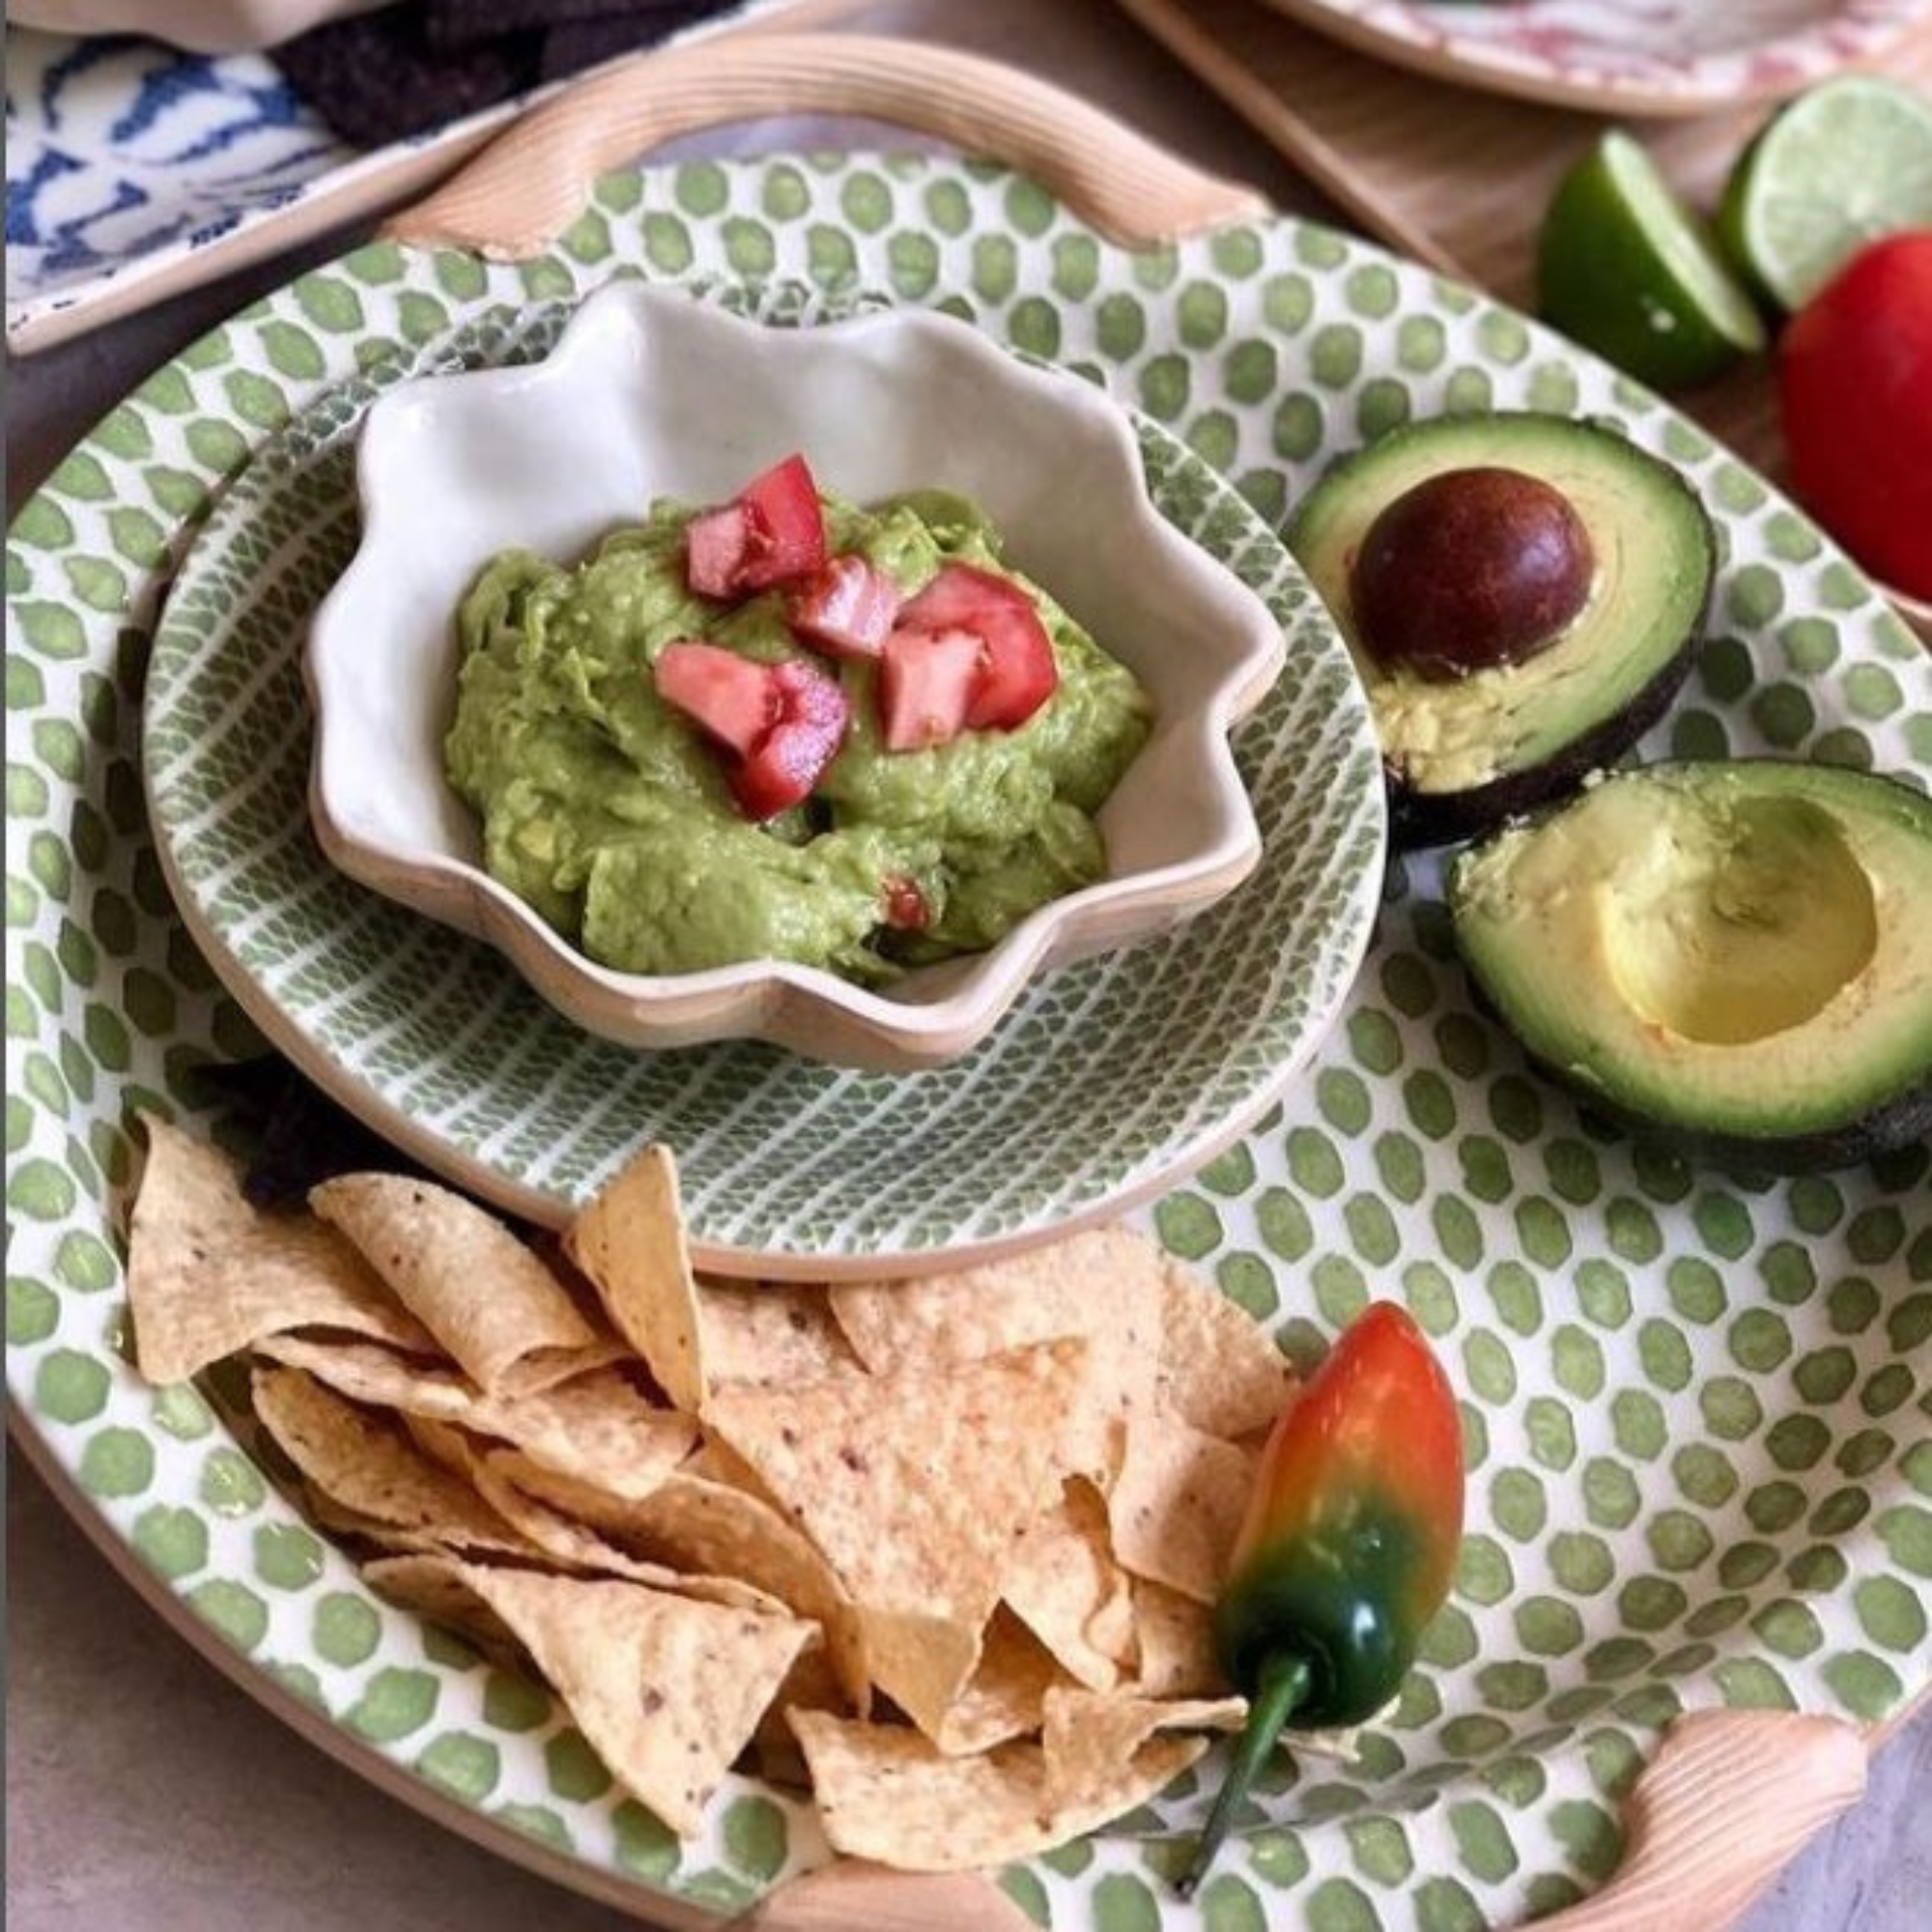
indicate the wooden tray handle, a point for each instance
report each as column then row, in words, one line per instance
column 530, row 184
column 1729, row 1799
column 850, row 1893
column 1726, row 1804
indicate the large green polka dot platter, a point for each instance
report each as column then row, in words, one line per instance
column 1695, row 1406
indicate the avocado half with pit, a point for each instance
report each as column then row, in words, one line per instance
column 1521, row 594
column 1736, row 956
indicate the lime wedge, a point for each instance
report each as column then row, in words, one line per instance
column 1841, row 164
column 1624, row 268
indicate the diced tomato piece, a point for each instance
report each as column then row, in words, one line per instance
column 927, row 681
column 813, row 713
column 1018, row 672
column 906, row 909
column 716, row 546
column 789, row 524
column 846, row 610
column 771, row 532
column 733, row 698
column 959, row 596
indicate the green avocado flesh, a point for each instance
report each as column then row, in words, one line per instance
column 1463, row 755
column 1739, row 950
column 607, row 811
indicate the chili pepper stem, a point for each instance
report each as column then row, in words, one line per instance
column 1284, row 1681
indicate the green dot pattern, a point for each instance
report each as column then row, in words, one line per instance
column 1689, row 1400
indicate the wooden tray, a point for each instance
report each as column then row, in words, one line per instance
column 1729, row 1795
column 1455, row 177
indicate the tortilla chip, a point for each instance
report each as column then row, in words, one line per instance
column 432, row 1587
column 1084, row 1732
column 577, row 1546
column 1177, row 1504
column 1220, row 1370
column 890, row 1795
column 1066, row 1288
column 629, row 1243
column 914, row 1484
column 561, row 1539
column 598, row 1508
column 1062, row 1582
column 367, row 1469
column 444, row 1443
column 667, row 1689
column 922, row 1662
column 694, row 1525
column 378, row 1377
column 208, row 1274
column 811, row 1685
column 1175, row 1636
column 1094, row 1285
column 704, row 1525
column 1006, row 1696
column 714, row 1462
column 770, row 1332
column 485, row 1296
column 1342, row 1742
column 598, row 1429
column 339, row 1521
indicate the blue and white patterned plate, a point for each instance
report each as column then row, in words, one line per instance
column 118, row 148
column 124, row 157
column 135, row 169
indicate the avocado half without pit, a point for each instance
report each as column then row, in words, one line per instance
column 1734, row 957
column 1521, row 594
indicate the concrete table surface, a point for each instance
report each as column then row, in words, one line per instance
column 144, row 1789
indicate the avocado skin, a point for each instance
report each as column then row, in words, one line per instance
column 1903, row 1121
column 1901, row 1124
column 1894, row 1120
column 1418, row 818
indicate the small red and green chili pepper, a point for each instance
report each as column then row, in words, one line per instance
column 1347, row 1549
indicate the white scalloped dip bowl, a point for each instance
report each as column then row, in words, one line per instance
column 651, row 393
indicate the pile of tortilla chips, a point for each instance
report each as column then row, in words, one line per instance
column 945, row 1547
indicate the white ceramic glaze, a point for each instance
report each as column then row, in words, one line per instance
column 649, row 394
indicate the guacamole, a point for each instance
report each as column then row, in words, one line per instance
column 608, row 812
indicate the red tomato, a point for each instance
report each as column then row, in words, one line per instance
column 772, row 531
column 927, row 680
column 780, row 770
column 733, row 697
column 846, row 610
column 785, row 721
column 785, row 512
column 1855, row 377
column 1018, row 671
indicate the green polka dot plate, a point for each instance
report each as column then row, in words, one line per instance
column 1695, row 1405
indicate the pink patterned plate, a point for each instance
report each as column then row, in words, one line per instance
column 1648, row 57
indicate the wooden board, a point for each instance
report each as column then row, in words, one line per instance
column 1455, row 177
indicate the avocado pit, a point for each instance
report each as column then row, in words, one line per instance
column 1470, row 569
column 1537, row 619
